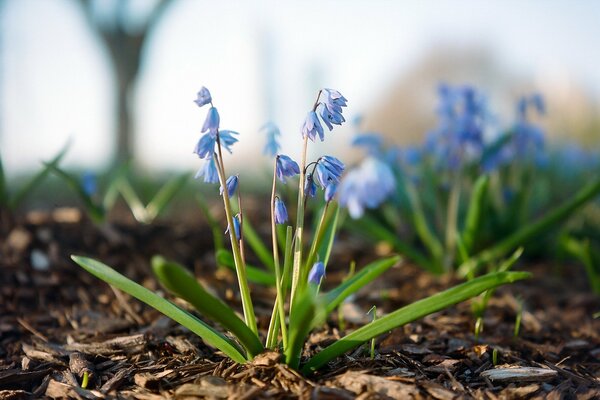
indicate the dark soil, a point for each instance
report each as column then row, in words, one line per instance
column 57, row 322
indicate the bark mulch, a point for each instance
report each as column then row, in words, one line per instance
column 57, row 322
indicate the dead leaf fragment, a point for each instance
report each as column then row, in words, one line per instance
column 520, row 374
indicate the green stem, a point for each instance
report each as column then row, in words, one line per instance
column 452, row 223
column 240, row 269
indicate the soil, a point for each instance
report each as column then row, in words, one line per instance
column 57, row 322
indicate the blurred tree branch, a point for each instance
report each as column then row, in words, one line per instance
column 125, row 42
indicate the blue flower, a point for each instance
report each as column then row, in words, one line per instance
column 366, row 186
column 280, row 212
column 371, row 142
column 329, row 170
column 316, row 273
column 312, row 126
column 204, row 97
column 330, row 118
column 89, row 183
column 232, row 184
column 211, row 123
column 286, row 167
column 310, row 187
column 334, row 101
column 272, row 146
column 236, row 227
column 330, row 191
column 205, row 148
column 226, row 139
column 209, row 172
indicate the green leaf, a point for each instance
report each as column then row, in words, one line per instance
column 207, row 333
column 37, row 179
column 133, row 201
column 3, row 186
column 183, row 284
column 256, row 275
column 532, row 230
column 410, row 313
column 302, row 319
column 475, row 210
column 581, row 250
column 217, row 232
column 95, row 211
column 164, row 196
column 366, row 275
column 325, row 241
column 254, row 241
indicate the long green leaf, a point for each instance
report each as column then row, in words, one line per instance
column 18, row 197
column 217, row 232
column 207, row 333
column 166, row 193
column 302, row 320
column 410, row 313
column 334, row 297
column 3, row 186
column 180, row 282
column 533, row 230
column 325, row 241
column 475, row 210
column 255, row 242
column 256, row 275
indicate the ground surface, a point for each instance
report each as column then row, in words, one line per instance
column 57, row 321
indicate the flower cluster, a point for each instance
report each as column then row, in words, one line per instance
column 329, row 107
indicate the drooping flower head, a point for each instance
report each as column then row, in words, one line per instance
column 227, row 139
column 366, row 186
column 281, row 215
column 204, row 97
column 329, row 108
column 316, row 273
column 330, row 191
column 231, row 184
column 205, row 148
column 211, row 123
column 209, row 172
column 236, row 226
column 286, row 167
column 272, row 132
column 310, row 187
column 312, row 127
column 328, row 170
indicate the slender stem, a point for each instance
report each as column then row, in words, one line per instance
column 312, row 254
column 240, row 269
column 452, row 222
column 241, row 211
column 278, row 284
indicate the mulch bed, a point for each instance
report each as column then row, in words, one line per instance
column 57, row 322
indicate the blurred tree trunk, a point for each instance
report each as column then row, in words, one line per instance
column 124, row 41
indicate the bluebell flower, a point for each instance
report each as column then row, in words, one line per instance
column 205, row 148
column 89, row 183
column 329, row 170
column 371, row 142
column 211, row 123
column 316, row 273
column 286, row 167
column 209, row 172
column 312, row 127
column 366, row 186
column 272, row 132
column 310, row 187
column 280, row 211
column 227, row 139
column 334, row 101
column 330, row 191
column 330, row 118
column 204, row 97
column 231, row 184
column 236, row 227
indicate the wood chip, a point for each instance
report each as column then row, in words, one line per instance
column 121, row 345
column 207, row 386
column 358, row 383
column 519, row 374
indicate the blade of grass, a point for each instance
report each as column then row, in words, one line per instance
column 133, row 201
column 256, row 275
column 183, row 284
column 164, row 196
column 530, row 231
column 204, row 331
column 410, row 313
column 255, row 242
column 336, row 296
column 474, row 212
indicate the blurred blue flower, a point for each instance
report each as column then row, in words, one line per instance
column 236, row 227
column 316, row 273
column 211, row 123
column 227, row 139
column 280, row 211
column 89, row 183
column 310, row 187
column 312, row 127
column 203, row 97
column 286, row 167
column 209, row 172
column 232, row 184
column 366, row 186
column 272, row 132
column 205, row 148
column 371, row 142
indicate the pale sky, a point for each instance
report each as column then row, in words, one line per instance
column 262, row 60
